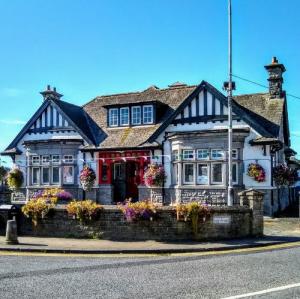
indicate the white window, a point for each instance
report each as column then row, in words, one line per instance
column 136, row 115
column 55, row 175
column 55, row 159
column 175, row 155
column 188, row 154
column 124, row 116
column 68, row 175
column 216, row 173
column 202, row 154
column 35, row 179
column 188, row 170
column 113, row 117
column 202, row 174
column 46, row 175
column 35, row 160
column 217, row 154
column 68, row 159
column 235, row 173
column 45, row 159
column 148, row 114
column 234, row 154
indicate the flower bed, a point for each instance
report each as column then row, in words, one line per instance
column 84, row 210
column 141, row 210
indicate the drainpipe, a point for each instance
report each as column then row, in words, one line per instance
column 163, row 163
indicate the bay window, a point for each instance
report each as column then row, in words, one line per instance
column 202, row 154
column 217, row 154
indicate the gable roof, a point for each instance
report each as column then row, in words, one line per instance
column 135, row 136
column 75, row 115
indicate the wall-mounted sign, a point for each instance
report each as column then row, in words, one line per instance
column 222, row 219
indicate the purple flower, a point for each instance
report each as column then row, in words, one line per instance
column 64, row 195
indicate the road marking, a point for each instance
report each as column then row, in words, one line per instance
column 289, row 286
column 122, row 255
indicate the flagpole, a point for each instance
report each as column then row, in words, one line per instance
column 229, row 96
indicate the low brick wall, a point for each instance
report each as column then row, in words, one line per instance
column 112, row 225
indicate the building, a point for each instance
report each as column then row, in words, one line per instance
column 182, row 127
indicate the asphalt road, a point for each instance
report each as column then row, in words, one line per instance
column 215, row 276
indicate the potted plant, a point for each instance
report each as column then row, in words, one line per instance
column 284, row 175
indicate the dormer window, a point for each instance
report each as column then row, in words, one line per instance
column 113, row 117
column 124, row 116
column 136, row 115
column 148, row 114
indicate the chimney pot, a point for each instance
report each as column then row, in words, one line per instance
column 274, row 60
column 54, row 89
column 48, row 87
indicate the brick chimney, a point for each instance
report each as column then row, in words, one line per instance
column 49, row 94
column 275, row 79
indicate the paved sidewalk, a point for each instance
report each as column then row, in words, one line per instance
column 277, row 231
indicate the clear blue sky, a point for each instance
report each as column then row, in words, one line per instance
column 89, row 48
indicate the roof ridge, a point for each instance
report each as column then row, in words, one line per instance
column 250, row 94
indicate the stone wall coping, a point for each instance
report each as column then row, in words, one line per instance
column 215, row 209
column 251, row 192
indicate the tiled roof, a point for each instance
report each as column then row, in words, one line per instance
column 266, row 111
column 138, row 135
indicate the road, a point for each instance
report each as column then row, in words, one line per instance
column 182, row 276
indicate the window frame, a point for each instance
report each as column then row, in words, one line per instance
column 128, row 116
column 211, row 174
column 152, row 114
column 67, row 160
column 38, row 159
column 38, row 177
column 110, row 117
column 175, row 155
column 236, row 155
column 59, row 175
column 193, row 178
column 236, row 182
column 202, row 149
column 208, row 174
column 44, row 161
column 54, row 161
column 132, row 115
column 217, row 158
column 73, row 175
column 42, row 176
column 188, row 159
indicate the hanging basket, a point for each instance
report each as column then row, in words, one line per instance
column 87, row 178
column 15, row 179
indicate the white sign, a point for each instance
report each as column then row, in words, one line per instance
column 221, row 219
